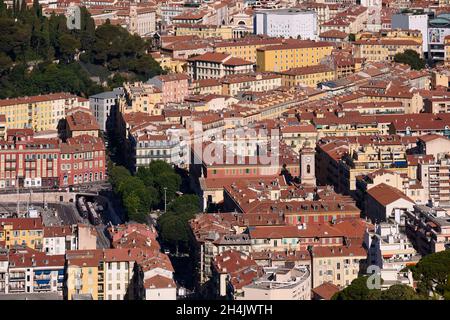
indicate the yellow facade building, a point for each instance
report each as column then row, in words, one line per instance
column 140, row 97
column 39, row 112
column 309, row 76
column 21, row 232
column 245, row 48
column 84, row 274
column 383, row 49
column 292, row 54
column 447, row 50
column 394, row 34
column 168, row 63
column 204, row 31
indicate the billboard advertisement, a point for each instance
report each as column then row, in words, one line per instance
column 437, row 35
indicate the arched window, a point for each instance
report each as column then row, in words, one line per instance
column 308, row 169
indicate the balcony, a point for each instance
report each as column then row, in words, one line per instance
column 17, row 277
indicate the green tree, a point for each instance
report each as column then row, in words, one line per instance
column 357, row 290
column 159, row 175
column 14, row 38
column 135, row 210
column 188, row 204
column 411, row 58
column 399, row 292
column 351, row 37
column 433, row 274
column 68, row 45
column 174, row 230
column 5, row 62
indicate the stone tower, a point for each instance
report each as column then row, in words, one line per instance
column 307, row 166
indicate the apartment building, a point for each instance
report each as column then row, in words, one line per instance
column 413, row 21
column 80, row 122
column 428, row 228
column 291, row 54
column 231, row 271
column 153, row 278
column 142, row 20
column 435, row 177
column 39, row 112
column 140, row 97
column 204, row 31
column 31, row 271
column 255, row 82
column 447, row 50
column 83, row 160
column 245, row 48
column 27, row 232
column 339, row 265
column 294, row 237
column 383, row 49
column 84, row 274
column 216, row 65
column 220, row 232
column 280, row 283
column 437, row 105
column 299, row 136
column 174, row 87
column 102, row 107
column 340, row 161
column 350, row 20
column 26, row 161
column 58, row 239
column 391, row 251
column 391, row 34
column 384, row 202
column 150, row 147
column 307, row 76
column 4, row 262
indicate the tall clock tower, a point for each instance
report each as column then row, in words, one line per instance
column 307, row 166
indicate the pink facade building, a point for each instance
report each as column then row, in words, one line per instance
column 174, row 87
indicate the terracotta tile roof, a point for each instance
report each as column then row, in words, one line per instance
column 241, row 268
column 39, row 98
column 297, row 44
column 82, row 121
column 326, row 290
column 27, row 258
column 339, row 251
column 308, row 70
column 159, row 282
column 22, row 223
column 385, row 194
column 278, row 232
column 333, row 34
column 57, row 231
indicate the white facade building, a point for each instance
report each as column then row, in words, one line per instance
column 280, row 284
column 413, row 22
column 391, row 251
column 286, row 23
column 101, row 105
